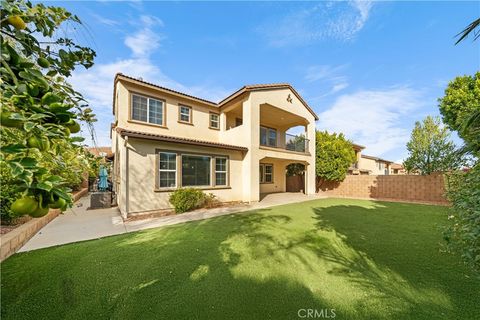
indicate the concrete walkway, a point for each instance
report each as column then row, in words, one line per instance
column 79, row 224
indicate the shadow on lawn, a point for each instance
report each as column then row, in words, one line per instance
column 258, row 265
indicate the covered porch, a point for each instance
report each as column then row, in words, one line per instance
column 273, row 175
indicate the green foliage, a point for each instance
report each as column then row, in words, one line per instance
column 186, row 199
column 430, row 148
column 334, row 155
column 463, row 190
column 39, row 108
column 8, row 192
column 295, row 169
column 460, row 102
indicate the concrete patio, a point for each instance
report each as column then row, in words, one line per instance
column 79, row 224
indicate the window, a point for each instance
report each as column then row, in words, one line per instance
column 268, row 137
column 168, row 170
column 195, row 170
column 381, row 166
column 220, row 171
column 214, row 121
column 185, row 114
column 266, row 173
column 147, row 109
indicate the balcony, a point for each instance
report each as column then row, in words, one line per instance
column 289, row 142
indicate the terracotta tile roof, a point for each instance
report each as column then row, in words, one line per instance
column 396, row 166
column 97, row 151
column 259, row 87
column 357, row 146
column 160, row 137
column 247, row 88
column 375, row 158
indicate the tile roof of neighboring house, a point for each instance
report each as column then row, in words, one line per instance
column 375, row 158
column 96, row 151
column 357, row 146
column 160, row 137
column 247, row 88
column 396, row 166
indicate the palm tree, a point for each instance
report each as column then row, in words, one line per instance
column 470, row 28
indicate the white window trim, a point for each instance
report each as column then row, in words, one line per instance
column 217, row 171
column 167, row 170
column 189, row 114
column 216, row 121
column 148, row 110
column 264, row 165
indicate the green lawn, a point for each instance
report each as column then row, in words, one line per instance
column 365, row 259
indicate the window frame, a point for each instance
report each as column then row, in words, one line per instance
column 209, row 166
column 263, row 179
column 268, row 130
column 190, row 114
column 210, row 120
column 158, row 169
column 164, row 110
column 178, row 175
column 215, row 171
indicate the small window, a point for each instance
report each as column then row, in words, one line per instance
column 147, row 110
column 266, row 173
column 220, row 171
column 168, row 170
column 195, row 170
column 185, row 114
column 214, row 121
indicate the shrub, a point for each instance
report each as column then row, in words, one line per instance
column 186, row 199
column 8, row 193
column 463, row 190
column 211, row 201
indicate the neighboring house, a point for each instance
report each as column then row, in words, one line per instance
column 355, row 168
column 236, row 149
column 396, row 168
column 375, row 165
column 104, row 152
column 367, row 164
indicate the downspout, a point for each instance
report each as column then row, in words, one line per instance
column 127, row 198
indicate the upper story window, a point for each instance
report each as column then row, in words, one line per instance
column 214, row 121
column 185, row 114
column 381, row 165
column 268, row 137
column 148, row 110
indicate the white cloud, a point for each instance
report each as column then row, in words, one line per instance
column 377, row 119
column 327, row 76
column 340, row 20
column 96, row 83
column 105, row 21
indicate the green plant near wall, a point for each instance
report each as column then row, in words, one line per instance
column 40, row 109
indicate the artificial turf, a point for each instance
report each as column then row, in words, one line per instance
column 364, row 259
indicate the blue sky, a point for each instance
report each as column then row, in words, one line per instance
column 369, row 69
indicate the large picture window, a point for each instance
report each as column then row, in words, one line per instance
column 168, row 170
column 195, row 170
column 268, row 137
column 147, row 110
column 220, row 171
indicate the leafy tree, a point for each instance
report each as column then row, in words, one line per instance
column 430, row 148
column 460, row 102
column 334, row 155
column 39, row 108
column 295, row 169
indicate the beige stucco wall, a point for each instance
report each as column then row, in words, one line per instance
column 139, row 183
column 372, row 165
column 199, row 129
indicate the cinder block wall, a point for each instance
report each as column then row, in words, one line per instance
column 410, row 188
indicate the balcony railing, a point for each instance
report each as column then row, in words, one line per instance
column 296, row 143
column 269, row 138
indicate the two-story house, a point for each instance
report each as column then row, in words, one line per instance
column 236, row 149
column 367, row 164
